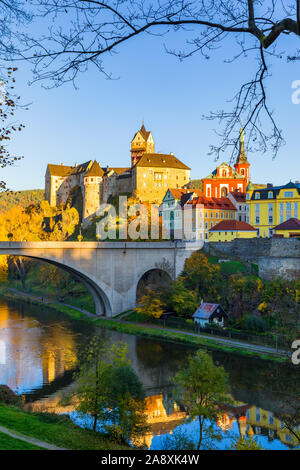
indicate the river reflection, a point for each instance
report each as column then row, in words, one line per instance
column 39, row 350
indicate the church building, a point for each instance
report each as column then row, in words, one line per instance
column 225, row 179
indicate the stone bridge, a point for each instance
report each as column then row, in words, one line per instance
column 110, row 270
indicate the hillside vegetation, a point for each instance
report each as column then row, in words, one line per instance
column 10, row 199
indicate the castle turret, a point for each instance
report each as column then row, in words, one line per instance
column 141, row 143
column 91, row 198
column 242, row 165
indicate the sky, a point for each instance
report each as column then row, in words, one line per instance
column 99, row 119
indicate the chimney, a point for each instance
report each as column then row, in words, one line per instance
column 269, row 185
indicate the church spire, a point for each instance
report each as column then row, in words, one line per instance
column 242, row 158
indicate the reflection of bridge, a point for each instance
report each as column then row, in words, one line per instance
column 110, row 270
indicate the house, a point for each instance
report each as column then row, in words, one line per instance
column 273, row 205
column 228, row 230
column 238, row 199
column 210, row 313
column 288, row 229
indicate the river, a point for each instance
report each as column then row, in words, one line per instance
column 39, row 351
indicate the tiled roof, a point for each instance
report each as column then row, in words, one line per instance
column 177, row 192
column 65, row 170
column 160, row 160
column 221, row 203
column 239, row 196
column 232, row 226
column 205, row 310
column 290, row 224
column 94, row 170
column 184, row 194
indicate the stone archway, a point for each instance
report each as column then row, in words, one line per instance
column 101, row 301
column 152, row 279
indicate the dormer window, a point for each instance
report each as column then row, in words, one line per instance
column 270, row 195
column 248, row 196
column 257, row 196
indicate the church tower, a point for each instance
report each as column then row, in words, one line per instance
column 242, row 165
column 141, row 143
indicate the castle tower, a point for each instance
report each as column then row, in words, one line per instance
column 91, row 196
column 242, row 165
column 141, row 143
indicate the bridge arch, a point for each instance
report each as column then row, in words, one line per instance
column 151, row 277
column 101, row 300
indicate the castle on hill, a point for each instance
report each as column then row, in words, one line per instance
column 148, row 177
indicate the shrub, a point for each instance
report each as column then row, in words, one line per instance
column 9, row 397
column 255, row 324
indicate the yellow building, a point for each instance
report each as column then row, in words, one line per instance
column 271, row 206
column 263, row 422
column 288, row 229
column 228, row 230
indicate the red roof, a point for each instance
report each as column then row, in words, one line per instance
column 222, row 203
column 291, row 224
column 239, row 196
column 232, row 225
column 205, row 310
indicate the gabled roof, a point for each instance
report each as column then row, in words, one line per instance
column 117, row 170
column 232, row 226
column 145, row 134
column 215, row 172
column 94, row 170
column 290, row 224
column 160, row 160
column 205, row 310
column 177, row 192
column 65, row 170
column 221, row 203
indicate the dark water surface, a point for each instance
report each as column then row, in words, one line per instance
column 39, row 352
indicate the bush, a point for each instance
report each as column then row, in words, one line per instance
column 255, row 324
column 9, row 397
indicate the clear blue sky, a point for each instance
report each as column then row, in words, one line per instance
column 98, row 121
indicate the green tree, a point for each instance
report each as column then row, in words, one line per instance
column 245, row 443
column 202, row 276
column 202, row 385
column 184, row 301
column 109, row 390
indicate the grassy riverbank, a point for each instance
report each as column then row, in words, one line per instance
column 53, row 429
column 145, row 331
column 9, row 443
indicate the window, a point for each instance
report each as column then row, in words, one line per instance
column 248, row 196
column 296, row 210
column 211, row 215
column 281, row 214
column 270, row 195
column 222, row 215
column 257, row 196
column 288, row 194
column 288, row 210
column 226, row 215
column 270, row 219
column 257, row 219
column 217, row 215
column 242, row 172
column 271, row 418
